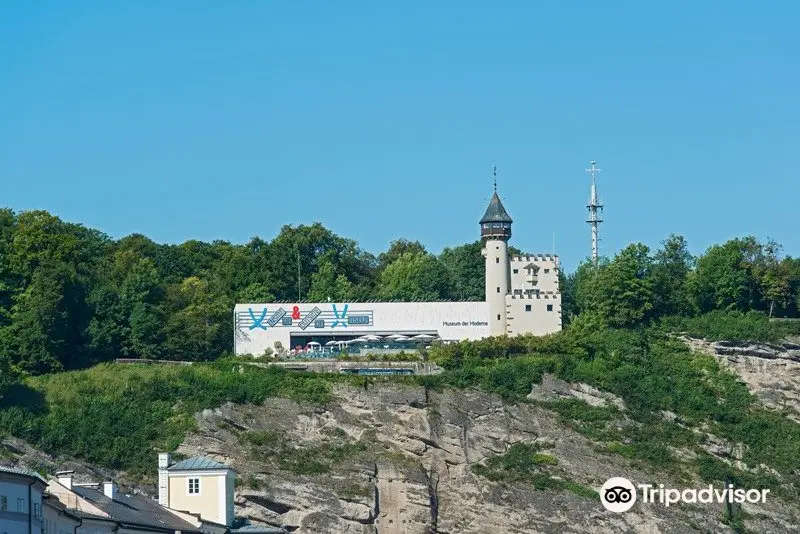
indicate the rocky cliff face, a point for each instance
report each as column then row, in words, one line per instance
column 399, row 460
column 771, row 371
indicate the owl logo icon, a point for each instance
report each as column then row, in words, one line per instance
column 618, row 494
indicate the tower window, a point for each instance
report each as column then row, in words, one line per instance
column 546, row 271
column 527, row 307
column 498, row 290
column 194, row 486
column 497, row 260
column 516, row 271
column 498, row 316
column 549, row 307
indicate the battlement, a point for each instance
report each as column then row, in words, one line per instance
column 535, row 257
column 536, row 296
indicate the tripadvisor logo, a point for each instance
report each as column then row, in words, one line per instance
column 619, row 495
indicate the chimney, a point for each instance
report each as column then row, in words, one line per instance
column 65, row 478
column 163, row 460
column 110, row 490
column 163, row 479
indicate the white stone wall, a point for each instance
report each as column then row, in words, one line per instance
column 255, row 330
column 538, row 314
column 546, row 268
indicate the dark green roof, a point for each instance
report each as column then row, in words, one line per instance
column 197, row 463
column 496, row 212
column 21, row 471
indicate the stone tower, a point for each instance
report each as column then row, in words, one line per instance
column 495, row 233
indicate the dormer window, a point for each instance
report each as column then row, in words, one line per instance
column 194, row 486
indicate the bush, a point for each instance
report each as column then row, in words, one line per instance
column 732, row 326
column 116, row 415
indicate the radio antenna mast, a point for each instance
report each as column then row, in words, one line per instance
column 595, row 210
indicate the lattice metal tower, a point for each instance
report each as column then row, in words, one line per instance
column 595, row 210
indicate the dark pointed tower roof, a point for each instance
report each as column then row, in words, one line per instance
column 496, row 212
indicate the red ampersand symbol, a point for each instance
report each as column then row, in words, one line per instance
column 296, row 312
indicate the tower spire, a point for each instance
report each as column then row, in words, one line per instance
column 595, row 208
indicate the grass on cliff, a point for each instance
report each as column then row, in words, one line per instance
column 119, row 416
column 270, row 447
column 524, row 462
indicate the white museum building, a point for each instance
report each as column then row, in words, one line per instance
column 522, row 296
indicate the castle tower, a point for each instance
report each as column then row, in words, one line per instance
column 495, row 233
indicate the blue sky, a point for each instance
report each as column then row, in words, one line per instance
column 222, row 120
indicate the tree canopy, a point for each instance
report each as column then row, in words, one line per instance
column 71, row 297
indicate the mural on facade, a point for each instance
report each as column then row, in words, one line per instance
column 335, row 317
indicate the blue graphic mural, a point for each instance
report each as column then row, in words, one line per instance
column 328, row 316
column 309, row 318
column 340, row 319
column 277, row 316
column 257, row 322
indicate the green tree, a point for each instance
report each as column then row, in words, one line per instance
column 670, row 271
column 255, row 293
column 584, row 284
column 9, row 282
column 396, row 249
column 8, row 376
column 326, row 285
column 627, row 298
column 48, row 320
column 415, row 276
column 724, row 278
column 197, row 327
column 774, row 276
column 620, row 292
column 312, row 243
column 466, row 267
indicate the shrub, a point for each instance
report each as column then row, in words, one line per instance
column 117, row 415
column 732, row 326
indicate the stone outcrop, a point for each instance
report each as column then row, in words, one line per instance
column 771, row 371
column 553, row 388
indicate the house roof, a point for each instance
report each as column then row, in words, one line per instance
column 89, row 516
column 197, row 463
column 495, row 212
column 22, row 472
column 253, row 529
column 135, row 510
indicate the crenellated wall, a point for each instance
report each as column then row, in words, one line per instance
column 538, row 313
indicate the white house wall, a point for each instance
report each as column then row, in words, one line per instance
column 15, row 490
column 258, row 326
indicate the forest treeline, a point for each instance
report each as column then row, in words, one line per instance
column 71, row 297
